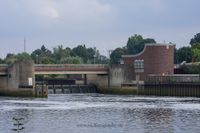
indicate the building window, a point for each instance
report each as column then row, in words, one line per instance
column 139, row 64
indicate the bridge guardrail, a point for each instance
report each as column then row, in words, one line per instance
column 71, row 67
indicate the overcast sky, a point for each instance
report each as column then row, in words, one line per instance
column 105, row 24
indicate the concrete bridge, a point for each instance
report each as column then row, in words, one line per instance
column 44, row 69
column 19, row 78
column 71, row 69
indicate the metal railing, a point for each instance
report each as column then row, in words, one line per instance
column 71, row 67
column 179, row 78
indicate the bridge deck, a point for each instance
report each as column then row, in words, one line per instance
column 71, row 69
column 64, row 69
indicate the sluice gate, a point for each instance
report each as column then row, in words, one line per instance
column 67, row 89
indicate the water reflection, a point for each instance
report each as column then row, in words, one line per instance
column 101, row 113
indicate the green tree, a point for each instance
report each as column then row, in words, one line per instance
column 195, row 40
column 23, row 56
column 1, row 61
column 81, row 51
column 42, row 55
column 183, row 54
column 10, row 58
column 196, row 52
column 70, row 51
column 91, row 53
column 116, row 55
column 102, row 60
column 59, row 53
column 71, row 60
column 195, row 43
column 136, row 44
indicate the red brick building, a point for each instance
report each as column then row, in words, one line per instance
column 154, row 59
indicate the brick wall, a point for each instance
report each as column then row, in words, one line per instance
column 158, row 59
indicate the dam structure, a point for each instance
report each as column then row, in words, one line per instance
column 19, row 78
column 150, row 72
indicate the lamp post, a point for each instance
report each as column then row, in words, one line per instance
column 37, row 59
column 94, row 58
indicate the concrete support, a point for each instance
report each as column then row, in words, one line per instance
column 20, row 79
column 3, row 84
column 108, row 81
column 85, row 79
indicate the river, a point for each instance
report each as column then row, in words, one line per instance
column 98, row 113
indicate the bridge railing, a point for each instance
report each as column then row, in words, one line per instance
column 177, row 78
column 71, row 67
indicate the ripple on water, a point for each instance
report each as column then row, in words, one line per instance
column 101, row 113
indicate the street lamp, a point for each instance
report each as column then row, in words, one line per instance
column 94, row 57
column 37, row 59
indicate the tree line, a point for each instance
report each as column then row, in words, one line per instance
column 136, row 43
column 82, row 54
column 60, row 55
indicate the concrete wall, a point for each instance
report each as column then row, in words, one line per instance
column 102, row 81
column 120, row 74
column 17, row 81
column 18, row 74
column 3, row 84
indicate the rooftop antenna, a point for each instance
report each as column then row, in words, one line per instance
column 24, row 44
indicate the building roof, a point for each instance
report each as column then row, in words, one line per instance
column 148, row 45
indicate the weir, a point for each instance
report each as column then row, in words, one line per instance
column 18, row 79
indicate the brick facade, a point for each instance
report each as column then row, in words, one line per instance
column 157, row 59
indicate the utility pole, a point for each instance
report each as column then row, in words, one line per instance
column 24, row 44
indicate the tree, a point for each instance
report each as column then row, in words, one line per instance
column 91, row 53
column 23, row 56
column 59, row 52
column 70, row 51
column 195, row 43
column 81, row 51
column 136, row 44
column 195, row 40
column 10, row 58
column 116, row 55
column 183, row 54
column 42, row 55
column 1, row 61
column 102, row 60
column 196, row 52
column 71, row 60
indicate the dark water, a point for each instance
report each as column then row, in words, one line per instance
column 94, row 113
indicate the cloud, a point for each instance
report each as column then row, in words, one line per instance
column 99, row 23
column 84, row 9
column 50, row 12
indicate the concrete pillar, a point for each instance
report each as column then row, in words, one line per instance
column 21, row 75
column 3, row 84
column 108, row 80
column 85, row 79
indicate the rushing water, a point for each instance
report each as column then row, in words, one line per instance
column 95, row 113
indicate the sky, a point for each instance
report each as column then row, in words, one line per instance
column 104, row 24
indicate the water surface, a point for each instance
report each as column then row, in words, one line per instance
column 97, row 113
